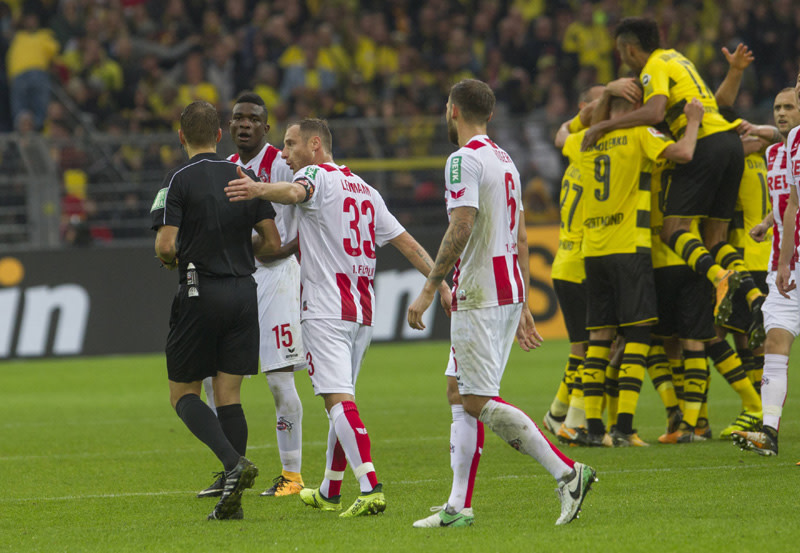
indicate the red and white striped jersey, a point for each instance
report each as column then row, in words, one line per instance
column 482, row 175
column 779, row 196
column 793, row 174
column 340, row 226
column 269, row 166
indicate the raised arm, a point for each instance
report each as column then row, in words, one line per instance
column 651, row 113
column 738, row 61
column 683, row 150
column 245, row 188
column 462, row 220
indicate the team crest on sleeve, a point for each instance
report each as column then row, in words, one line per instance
column 455, row 170
column 657, row 133
column 160, row 201
column 645, row 79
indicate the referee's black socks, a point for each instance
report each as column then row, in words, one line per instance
column 234, row 425
column 201, row 421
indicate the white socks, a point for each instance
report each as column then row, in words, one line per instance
column 521, row 433
column 289, row 415
column 774, row 383
column 466, row 446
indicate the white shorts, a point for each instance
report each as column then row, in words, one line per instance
column 335, row 350
column 279, row 315
column 452, row 368
column 481, row 341
column 780, row 312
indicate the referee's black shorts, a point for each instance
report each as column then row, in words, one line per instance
column 215, row 331
column 685, row 304
column 620, row 291
column 709, row 184
column 572, row 300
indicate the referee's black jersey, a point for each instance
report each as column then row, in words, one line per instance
column 213, row 232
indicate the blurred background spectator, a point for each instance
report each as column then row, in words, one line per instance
column 74, row 68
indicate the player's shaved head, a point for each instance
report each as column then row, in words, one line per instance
column 317, row 127
column 639, row 31
column 200, row 124
column 474, row 99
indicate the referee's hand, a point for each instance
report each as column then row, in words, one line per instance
column 243, row 188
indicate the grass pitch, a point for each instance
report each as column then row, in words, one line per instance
column 92, row 458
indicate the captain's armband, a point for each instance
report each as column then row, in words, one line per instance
column 308, row 186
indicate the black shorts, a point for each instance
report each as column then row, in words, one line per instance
column 741, row 318
column 709, row 184
column 685, row 304
column 620, row 290
column 215, row 331
column 572, row 300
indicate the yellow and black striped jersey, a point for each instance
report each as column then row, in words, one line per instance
column 568, row 263
column 752, row 205
column 668, row 73
column 615, row 174
column 663, row 255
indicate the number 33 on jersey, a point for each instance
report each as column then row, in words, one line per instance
column 482, row 175
column 340, row 228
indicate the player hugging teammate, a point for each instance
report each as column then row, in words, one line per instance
column 710, row 272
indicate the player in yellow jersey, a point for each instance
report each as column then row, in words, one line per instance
column 707, row 186
column 684, row 311
column 616, row 247
column 565, row 418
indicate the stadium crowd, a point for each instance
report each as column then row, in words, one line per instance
column 129, row 66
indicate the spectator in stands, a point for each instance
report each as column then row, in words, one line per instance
column 30, row 56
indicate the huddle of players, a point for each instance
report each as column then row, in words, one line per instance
column 653, row 167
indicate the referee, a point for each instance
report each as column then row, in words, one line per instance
column 213, row 326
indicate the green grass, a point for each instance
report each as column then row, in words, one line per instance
column 92, row 458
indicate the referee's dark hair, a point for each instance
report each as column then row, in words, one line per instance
column 317, row 127
column 640, row 30
column 200, row 124
column 475, row 100
column 251, row 98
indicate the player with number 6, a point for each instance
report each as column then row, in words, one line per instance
column 342, row 221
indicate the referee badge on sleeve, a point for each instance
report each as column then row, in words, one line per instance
column 161, row 200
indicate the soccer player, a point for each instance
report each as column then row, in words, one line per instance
column 781, row 313
column 281, row 350
column 486, row 243
column 214, row 321
column 616, row 247
column 707, row 186
column 342, row 221
column 568, row 282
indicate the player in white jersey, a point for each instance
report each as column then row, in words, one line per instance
column 278, row 287
column 342, row 221
column 486, row 243
column 781, row 313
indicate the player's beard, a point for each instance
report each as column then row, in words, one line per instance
column 452, row 132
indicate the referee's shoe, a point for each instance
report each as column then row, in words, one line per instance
column 237, row 480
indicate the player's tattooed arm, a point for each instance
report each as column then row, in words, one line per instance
column 462, row 220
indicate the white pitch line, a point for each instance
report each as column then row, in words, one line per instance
column 391, row 482
column 130, row 453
